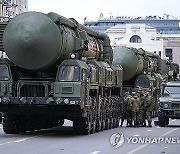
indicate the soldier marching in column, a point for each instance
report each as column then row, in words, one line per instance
column 138, row 107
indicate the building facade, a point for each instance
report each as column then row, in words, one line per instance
column 10, row 8
column 171, row 47
column 167, row 24
column 137, row 36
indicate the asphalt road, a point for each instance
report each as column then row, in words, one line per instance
column 155, row 140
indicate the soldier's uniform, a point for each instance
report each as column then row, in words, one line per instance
column 142, row 121
column 149, row 108
column 123, row 111
column 135, row 109
column 128, row 105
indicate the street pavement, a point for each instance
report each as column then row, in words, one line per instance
column 62, row 140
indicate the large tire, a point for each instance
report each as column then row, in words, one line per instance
column 0, row 117
column 61, row 122
column 107, row 126
column 98, row 125
column 167, row 121
column 9, row 124
column 82, row 126
column 93, row 122
column 162, row 118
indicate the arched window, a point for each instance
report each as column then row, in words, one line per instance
column 135, row 39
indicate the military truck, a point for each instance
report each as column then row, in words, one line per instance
column 57, row 69
column 143, row 69
column 2, row 27
column 169, row 102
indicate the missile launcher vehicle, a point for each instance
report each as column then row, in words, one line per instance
column 143, row 69
column 57, row 69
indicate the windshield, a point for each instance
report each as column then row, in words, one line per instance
column 142, row 83
column 69, row 73
column 4, row 73
column 172, row 90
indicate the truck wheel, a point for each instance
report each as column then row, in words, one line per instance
column 9, row 124
column 93, row 122
column 167, row 121
column 0, row 117
column 162, row 118
column 82, row 126
column 61, row 122
column 107, row 126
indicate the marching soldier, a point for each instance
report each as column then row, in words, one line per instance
column 123, row 110
column 135, row 109
column 142, row 121
column 128, row 106
column 149, row 107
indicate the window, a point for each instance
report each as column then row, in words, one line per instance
column 172, row 90
column 135, row 39
column 160, row 53
column 143, row 83
column 168, row 53
column 4, row 73
column 69, row 73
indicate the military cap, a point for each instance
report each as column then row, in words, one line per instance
column 140, row 89
column 135, row 96
column 133, row 93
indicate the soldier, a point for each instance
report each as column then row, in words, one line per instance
column 135, row 109
column 149, row 107
column 123, row 111
column 128, row 109
column 142, row 121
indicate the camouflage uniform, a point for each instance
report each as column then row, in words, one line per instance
column 149, row 108
column 142, row 121
column 135, row 109
column 123, row 112
column 128, row 104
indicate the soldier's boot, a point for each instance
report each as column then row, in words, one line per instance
column 136, row 125
column 144, row 124
column 141, row 125
column 121, row 123
column 130, row 124
column 149, row 124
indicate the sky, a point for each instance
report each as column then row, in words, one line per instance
column 91, row 9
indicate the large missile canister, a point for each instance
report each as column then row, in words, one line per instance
column 131, row 63
column 32, row 40
column 37, row 41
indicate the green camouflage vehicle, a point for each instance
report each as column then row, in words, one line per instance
column 169, row 103
column 57, row 69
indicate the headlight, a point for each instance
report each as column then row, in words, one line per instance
column 73, row 56
column 166, row 105
column 72, row 102
column 66, row 101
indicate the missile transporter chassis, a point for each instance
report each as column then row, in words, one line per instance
column 90, row 98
